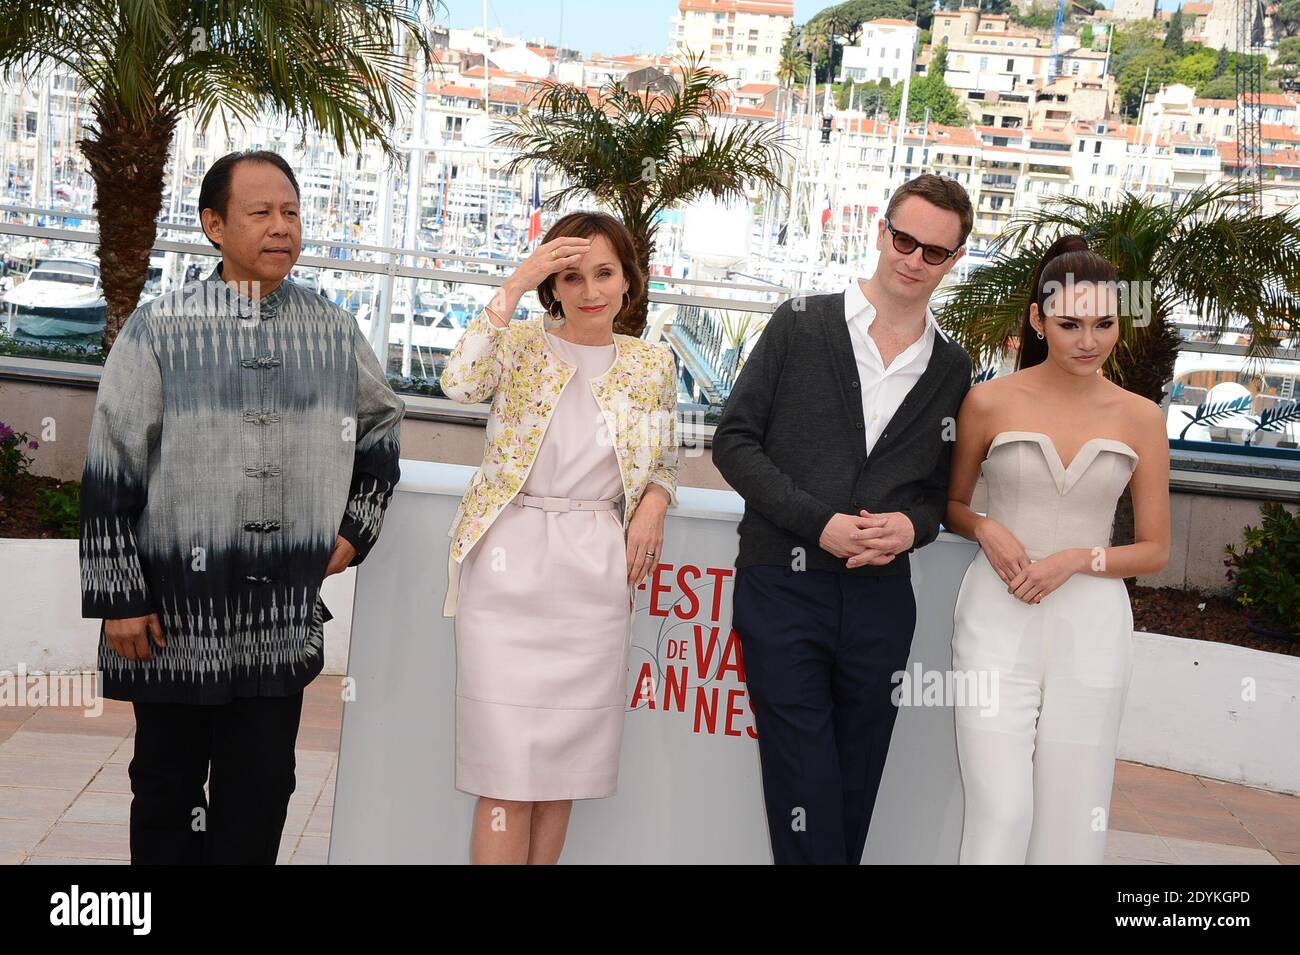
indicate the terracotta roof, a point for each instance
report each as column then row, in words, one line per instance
column 452, row 89
column 1135, row 136
column 754, row 111
column 1088, row 127
column 776, row 8
column 1229, row 103
column 476, row 72
column 892, row 22
column 640, row 59
column 1280, row 157
column 1283, row 157
column 496, row 94
column 955, row 135
column 935, row 133
column 1276, row 131
column 1277, row 99
column 863, row 127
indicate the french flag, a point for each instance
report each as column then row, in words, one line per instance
column 535, row 215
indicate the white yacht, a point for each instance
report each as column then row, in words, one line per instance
column 60, row 298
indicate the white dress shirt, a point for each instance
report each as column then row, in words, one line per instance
column 883, row 389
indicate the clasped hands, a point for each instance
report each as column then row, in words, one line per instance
column 1027, row 580
column 867, row 538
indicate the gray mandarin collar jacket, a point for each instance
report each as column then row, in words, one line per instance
column 231, row 442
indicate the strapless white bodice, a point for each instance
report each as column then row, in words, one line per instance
column 1051, row 507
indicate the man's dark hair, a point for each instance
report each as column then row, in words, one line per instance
column 941, row 191
column 215, row 192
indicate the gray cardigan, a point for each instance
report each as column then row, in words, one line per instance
column 791, row 440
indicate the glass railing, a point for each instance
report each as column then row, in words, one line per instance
column 413, row 306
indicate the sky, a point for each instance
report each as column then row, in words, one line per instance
column 606, row 26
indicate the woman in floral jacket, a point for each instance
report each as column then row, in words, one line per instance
column 560, row 523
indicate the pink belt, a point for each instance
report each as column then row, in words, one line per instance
column 562, row 503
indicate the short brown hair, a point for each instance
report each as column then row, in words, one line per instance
column 584, row 225
column 941, row 191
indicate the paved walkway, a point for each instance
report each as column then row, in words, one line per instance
column 65, row 797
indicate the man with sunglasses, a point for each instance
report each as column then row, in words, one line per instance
column 838, row 436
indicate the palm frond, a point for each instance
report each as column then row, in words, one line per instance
column 331, row 66
column 985, row 312
column 1210, row 412
column 1203, row 252
column 1273, row 418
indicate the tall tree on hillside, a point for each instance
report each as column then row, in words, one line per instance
column 939, row 62
column 1174, row 35
column 146, row 63
column 1134, row 77
column 1286, row 18
column 928, row 92
column 1222, row 63
column 792, row 70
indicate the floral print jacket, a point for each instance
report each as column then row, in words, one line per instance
column 523, row 376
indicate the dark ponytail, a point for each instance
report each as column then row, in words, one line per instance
column 1068, row 255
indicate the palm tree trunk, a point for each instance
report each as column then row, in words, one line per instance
column 127, row 162
column 1143, row 367
column 633, row 320
column 1146, row 364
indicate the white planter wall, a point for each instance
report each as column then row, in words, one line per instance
column 1187, row 707
column 1188, row 710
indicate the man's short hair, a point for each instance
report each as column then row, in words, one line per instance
column 215, row 192
column 941, row 191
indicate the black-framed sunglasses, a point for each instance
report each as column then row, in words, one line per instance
column 906, row 244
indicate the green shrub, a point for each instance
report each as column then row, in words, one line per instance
column 1266, row 574
column 59, row 508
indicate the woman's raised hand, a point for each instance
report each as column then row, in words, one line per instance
column 546, row 259
column 551, row 257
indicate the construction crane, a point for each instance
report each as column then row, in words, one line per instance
column 1250, row 83
column 1054, row 70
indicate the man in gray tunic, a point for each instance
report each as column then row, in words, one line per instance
column 244, row 446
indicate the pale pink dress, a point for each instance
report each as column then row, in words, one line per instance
column 543, row 624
